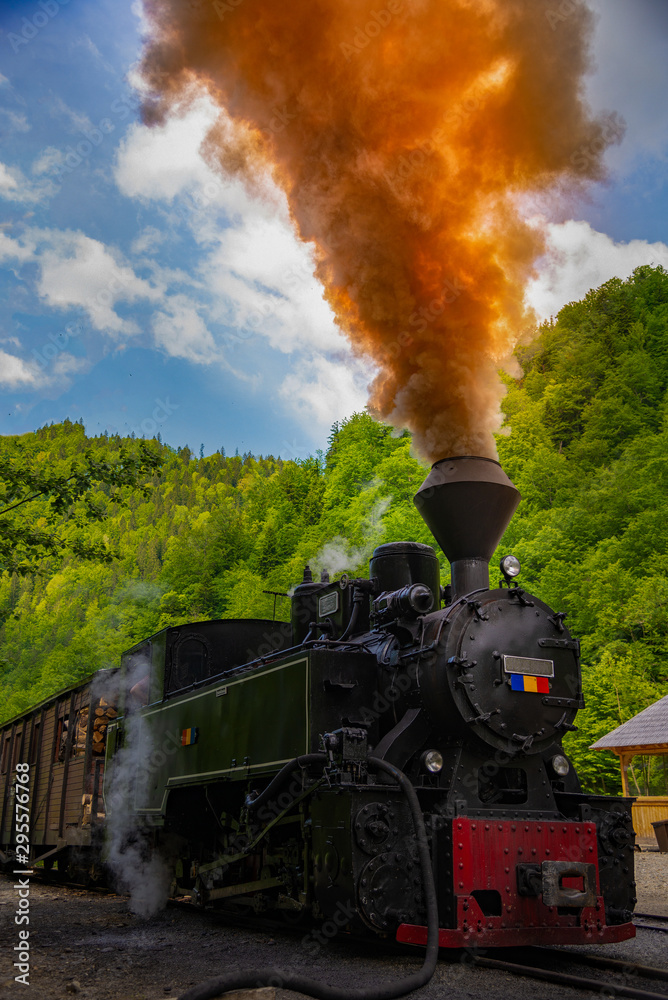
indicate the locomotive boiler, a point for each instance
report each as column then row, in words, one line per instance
column 268, row 778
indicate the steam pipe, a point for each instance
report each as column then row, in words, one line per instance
column 354, row 615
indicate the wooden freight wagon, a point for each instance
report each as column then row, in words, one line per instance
column 63, row 741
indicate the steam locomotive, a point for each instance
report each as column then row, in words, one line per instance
column 279, row 766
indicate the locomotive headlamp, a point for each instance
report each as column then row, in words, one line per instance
column 433, row 761
column 510, row 567
column 560, row 765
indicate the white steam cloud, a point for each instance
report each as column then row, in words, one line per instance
column 137, row 867
column 338, row 555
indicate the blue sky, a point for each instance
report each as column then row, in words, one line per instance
column 141, row 292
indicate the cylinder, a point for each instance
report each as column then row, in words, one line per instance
column 304, row 606
column 396, row 565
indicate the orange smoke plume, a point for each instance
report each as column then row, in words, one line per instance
column 406, row 135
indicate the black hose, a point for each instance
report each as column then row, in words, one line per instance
column 321, row 991
column 283, row 775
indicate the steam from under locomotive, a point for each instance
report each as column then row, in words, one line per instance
column 136, row 869
column 407, row 135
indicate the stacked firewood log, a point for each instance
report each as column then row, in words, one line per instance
column 104, row 713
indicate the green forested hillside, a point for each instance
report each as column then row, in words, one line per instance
column 589, row 452
column 210, row 535
column 587, row 447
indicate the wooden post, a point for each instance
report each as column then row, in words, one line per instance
column 624, row 760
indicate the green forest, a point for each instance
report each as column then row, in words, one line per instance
column 95, row 563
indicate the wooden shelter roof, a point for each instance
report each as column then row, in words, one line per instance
column 646, row 732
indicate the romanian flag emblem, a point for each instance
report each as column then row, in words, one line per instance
column 189, row 736
column 522, row 682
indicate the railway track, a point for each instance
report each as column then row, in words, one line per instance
column 651, row 922
column 538, row 963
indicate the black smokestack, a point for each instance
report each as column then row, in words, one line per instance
column 467, row 504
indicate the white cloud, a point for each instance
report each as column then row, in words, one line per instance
column 17, row 122
column 29, row 376
column 162, row 162
column 253, row 277
column 76, row 271
column 258, row 274
column 148, row 240
column 11, row 249
column 261, row 279
column 182, row 333
column 8, row 182
column 579, row 258
column 18, row 374
column 66, row 364
column 79, row 271
column 15, row 187
column 48, row 161
column 322, row 386
column 169, row 277
column 78, row 120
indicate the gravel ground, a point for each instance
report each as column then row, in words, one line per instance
column 652, row 882
column 89, row 944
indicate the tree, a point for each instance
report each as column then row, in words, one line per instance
column 46, row 511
